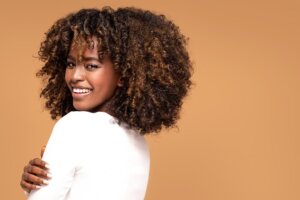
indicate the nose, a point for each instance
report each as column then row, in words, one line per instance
column 77, row 74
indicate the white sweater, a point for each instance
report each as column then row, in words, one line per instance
column 92, row 157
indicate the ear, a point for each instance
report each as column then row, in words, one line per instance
column 120, row 82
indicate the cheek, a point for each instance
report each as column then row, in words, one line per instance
column 67, row 76
column 106, row 86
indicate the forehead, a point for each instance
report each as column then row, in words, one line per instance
column 84, row 48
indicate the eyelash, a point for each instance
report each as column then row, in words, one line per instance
column 70, row 63
column 89, row 67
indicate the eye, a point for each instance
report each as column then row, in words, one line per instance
column 91, row 67
column 70, row 65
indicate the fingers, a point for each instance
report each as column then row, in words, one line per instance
column 38, row 162
column 31, row 182
column 40, row 172
column 28, row 186
column 35, row 174
column 34, row 180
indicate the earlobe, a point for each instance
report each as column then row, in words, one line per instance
column 120, row 82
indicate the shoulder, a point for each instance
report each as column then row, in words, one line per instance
column 96, row 126
column 82, row 118
column 87, row 123
column 79, row 127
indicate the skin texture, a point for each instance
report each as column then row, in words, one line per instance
column 144, row 74
column 92, row 82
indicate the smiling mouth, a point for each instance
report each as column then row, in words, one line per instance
column 81, row 90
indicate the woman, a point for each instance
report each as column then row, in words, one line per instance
column 113, row 76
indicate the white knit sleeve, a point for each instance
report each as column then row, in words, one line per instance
column 59, row 153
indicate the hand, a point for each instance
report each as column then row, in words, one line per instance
column 35, row 174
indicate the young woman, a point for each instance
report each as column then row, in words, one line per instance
column 112, row 76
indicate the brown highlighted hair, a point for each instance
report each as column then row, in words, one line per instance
column 148, row 51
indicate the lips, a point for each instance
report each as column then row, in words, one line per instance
column 81, row 90
column 79, row 93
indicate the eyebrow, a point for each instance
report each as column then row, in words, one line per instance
column 84, row 58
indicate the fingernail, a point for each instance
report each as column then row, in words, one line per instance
column 37, row 187
column 49, row 175
column 45, row 182
column 47, row 166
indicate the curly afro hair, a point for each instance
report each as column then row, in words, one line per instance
column 148, row 51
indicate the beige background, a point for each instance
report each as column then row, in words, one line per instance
column 238, row 137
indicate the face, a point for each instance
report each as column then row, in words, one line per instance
column 91, row 82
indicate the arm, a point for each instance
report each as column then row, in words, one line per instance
column 59, row 154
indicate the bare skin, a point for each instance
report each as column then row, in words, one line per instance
column 35, row 174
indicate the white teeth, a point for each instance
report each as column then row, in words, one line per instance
column 81, row 91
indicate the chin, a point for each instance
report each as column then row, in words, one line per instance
column 79, row 107
column 88, row 106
